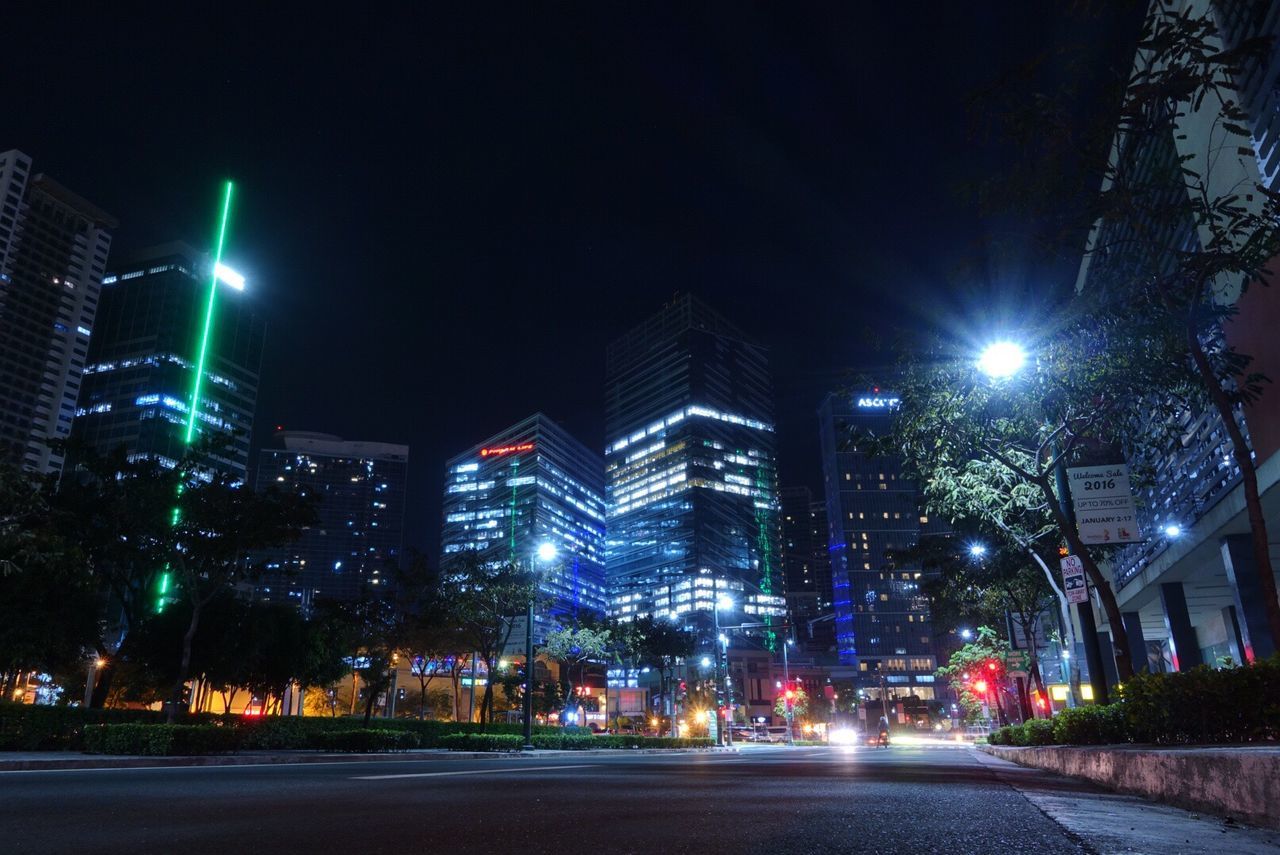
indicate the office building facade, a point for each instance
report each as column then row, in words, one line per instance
column 137, row 387
column 882, row 620
column 690, row 466
column 359, row 489
column 808, row 569
column 529, row 485
column 53, row 256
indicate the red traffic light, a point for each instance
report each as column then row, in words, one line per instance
column 991, row 666
column 790, row 694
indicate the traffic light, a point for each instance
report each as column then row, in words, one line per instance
column 991, row 666
column 980, row 686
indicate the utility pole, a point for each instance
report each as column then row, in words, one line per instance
column 786, row 691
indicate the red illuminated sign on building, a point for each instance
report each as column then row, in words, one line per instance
column 506, row 449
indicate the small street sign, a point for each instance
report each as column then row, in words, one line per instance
column 1073, row 583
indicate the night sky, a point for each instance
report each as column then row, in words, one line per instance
column 446, row 214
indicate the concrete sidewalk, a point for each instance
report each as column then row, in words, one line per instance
column 32, row 761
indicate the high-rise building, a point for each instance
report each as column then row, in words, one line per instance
column 529, row 485
column 53, row 255
column 359, row 488
column 883, row 625
column 692, row 485
column 137, row 388
column 808, row 569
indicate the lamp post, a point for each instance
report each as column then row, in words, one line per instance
column 546, row 553
column 722, row 601
column 786, row 681
column 1001, row 361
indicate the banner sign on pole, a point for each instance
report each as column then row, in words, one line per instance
column 1103, row 504
column 1073, row 584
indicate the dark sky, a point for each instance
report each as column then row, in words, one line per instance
column 447, row 213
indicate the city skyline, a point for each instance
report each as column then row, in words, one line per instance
column 536, row 213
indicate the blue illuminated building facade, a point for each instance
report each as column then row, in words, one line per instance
column 359, row 492
column 690, row 464
column 883, row 625
column 136, row 390
column 531, row 484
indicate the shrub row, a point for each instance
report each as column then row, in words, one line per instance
column 1204, row 705
column 1091, row 725
column 482, row 741
column 364, row 741
column 1200, row 706
column 27, row 727
column 159, row 740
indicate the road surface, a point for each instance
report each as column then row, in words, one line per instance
column 910, row 799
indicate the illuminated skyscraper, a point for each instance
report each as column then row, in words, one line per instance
column 138, row 383
column 883, row 623
column 360, row 493
column 808, row 568
column 689, row 458
column 53, row 254
column 528, row 485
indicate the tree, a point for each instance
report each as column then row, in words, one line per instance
column 573, row 649
column 430, row 637
column 219, row 523
column 976, row 669
column 117, row 513
column 488, row 595
column 798, row 702
column 984, row 588
column 663, row 645
column 991, row 450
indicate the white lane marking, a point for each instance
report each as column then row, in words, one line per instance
column 471, row 772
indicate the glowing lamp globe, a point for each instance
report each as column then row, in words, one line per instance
column 1001, row 360
column 546, row 552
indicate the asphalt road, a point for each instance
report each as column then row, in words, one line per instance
column 915, row 799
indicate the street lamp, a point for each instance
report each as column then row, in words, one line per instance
column 977, row 550
column 966, row 634
column 1000, row 361
column 546, row 553
column 1172, row 530
column 786, row 678
column 723, row 601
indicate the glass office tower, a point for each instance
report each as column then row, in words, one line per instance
column 360, row 492
column 531, row 484
column 692, row 485
column 136, row 391
column 883, row 623
column 53, row 255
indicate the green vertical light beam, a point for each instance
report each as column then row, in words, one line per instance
column 208, row 315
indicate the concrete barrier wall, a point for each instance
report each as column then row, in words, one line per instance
column 1243, row 783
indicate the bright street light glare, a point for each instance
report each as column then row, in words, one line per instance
column 706, row 661
column 1002, row 359
column 977, row 550
column 724, row 601
column 966, row 634
column 1172, row 530
column 228, row 276
column 546, row 551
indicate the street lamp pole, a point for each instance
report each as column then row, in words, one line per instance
column 546, row 553
column 786, row 682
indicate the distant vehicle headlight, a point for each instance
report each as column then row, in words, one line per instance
column 844, row 736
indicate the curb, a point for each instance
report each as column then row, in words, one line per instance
column 216, row 760
column 1237, row 783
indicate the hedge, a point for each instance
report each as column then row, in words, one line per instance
column 364, row 740
column 158, row 740
column 482, row 742
column 1205, row 706
column 30, row 727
